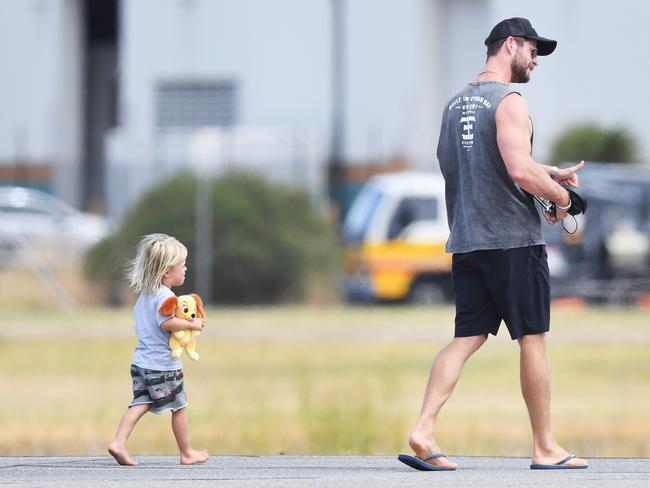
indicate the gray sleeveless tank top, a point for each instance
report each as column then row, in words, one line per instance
column 486, row 209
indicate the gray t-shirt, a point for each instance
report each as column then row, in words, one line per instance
column 486, row 209
column 152, row 351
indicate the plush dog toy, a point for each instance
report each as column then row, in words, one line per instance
column 186, row 307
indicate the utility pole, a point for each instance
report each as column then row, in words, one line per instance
column 337, row 142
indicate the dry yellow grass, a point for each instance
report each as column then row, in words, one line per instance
column 322, row 380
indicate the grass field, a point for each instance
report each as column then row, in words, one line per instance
column 323, row 380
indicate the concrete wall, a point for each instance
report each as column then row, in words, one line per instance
column 41, row 53
column 404, row 58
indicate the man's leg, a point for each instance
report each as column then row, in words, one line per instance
column 535, row 387
column 445, row 372
column 117, row 447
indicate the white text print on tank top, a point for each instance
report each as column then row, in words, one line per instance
column 467, row 107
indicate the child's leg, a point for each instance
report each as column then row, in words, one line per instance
column 117, row 447
column 181, row 428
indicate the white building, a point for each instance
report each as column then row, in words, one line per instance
column 100, row 98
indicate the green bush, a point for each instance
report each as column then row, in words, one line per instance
column 593, row 143
column 267, row 239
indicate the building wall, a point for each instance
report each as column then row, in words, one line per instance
column 404, row 59
column 392, row 81
column 41, row 55
column 279, row 54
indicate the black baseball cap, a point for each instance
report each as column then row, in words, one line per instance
column 520, row 27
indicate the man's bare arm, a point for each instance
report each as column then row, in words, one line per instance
column 513, row 139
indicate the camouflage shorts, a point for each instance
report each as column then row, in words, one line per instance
column 164, row 390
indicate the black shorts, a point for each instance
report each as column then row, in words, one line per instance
column 510, row 285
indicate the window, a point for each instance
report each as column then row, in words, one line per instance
column 361, row 214
column 412, row 210
column 196, row 103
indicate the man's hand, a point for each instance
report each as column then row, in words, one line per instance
column 558, row 214
column 568, row 176
column 555, row 217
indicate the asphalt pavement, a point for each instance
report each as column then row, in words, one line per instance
column 311, row 471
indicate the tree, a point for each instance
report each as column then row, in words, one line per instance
column 592, row 143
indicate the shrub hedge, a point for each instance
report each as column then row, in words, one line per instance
column 267, row 240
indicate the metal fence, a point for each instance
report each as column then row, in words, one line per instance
column 294, row 157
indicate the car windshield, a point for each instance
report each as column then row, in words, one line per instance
column 361, row 214
column 24, row 201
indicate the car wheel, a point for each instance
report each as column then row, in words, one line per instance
column 426, row 293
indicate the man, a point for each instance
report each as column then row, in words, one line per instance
column 499, row 259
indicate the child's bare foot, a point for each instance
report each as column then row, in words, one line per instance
column 194, row 457
column 121, row 455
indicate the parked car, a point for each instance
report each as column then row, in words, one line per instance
column 28, row 215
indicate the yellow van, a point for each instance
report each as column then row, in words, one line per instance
column 394, row 237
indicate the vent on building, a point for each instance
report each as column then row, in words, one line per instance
column 188, row 104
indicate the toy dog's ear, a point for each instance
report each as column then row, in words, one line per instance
column 168, row 307
column 199, row 306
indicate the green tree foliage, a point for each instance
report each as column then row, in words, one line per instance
column 593, row 143
column 267, row 239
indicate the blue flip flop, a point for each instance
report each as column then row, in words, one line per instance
column 561, row 464
column 422, row 465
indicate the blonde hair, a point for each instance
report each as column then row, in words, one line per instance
column 156, row 253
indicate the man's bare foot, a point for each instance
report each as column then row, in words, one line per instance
column 424, row 446
column 194, row 457
column 121, row 455
column 555, row 455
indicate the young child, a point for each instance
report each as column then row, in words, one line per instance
column 157, row 377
